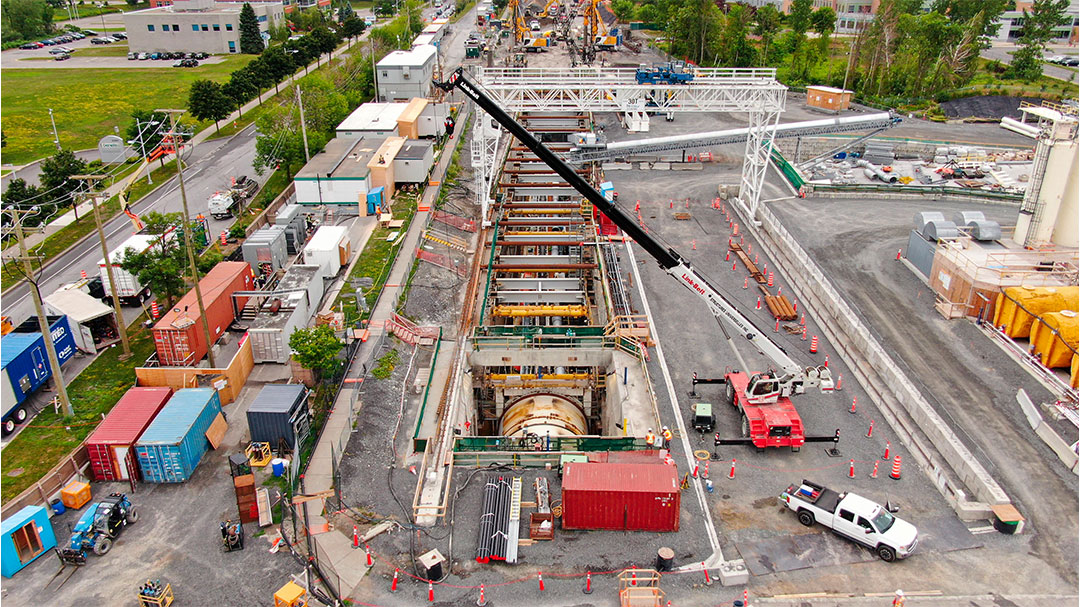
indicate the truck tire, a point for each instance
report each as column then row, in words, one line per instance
column 132, row 515
column 886, row 553
column 729, row 394
column 7, row 427
column 806, row 517
column 20, row 415
column 102, row 546
column 745, row 426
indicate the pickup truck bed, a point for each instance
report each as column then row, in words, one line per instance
column 822, row 497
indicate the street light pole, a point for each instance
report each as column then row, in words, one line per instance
column 43, row 322
column 175, row 115
column 56, row 136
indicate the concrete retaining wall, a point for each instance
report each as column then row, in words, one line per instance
column 954, row 470
column 1045, row 432
column 908, row 193
column 904, row 148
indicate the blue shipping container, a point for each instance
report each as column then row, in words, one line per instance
column 171, row 448
column 25, row 363
column 24, row 537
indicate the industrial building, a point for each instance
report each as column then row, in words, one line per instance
column 419, row 118
column 195, row 26
column 402, row 75
column 348, row 168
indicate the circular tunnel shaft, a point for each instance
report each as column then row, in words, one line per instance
column 543, row 415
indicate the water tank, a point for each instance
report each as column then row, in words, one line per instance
column 938, row 230
column 963, row 218
column 984, row 229
column 543, row 415
column 924, row 217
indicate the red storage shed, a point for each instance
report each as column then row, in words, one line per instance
column 111, row 446
column 179, row 337
column 623, row 497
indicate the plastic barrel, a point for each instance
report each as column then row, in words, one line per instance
column 58, row 506
column 278, row 466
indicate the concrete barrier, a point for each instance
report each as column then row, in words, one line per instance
column 951, row 466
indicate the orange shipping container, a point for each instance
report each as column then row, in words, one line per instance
column 179, row 337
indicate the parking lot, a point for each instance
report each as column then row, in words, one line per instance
column 117, row 58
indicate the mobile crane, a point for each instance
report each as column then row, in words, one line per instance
column 770, row 420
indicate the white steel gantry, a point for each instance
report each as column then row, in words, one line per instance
column 594, row 89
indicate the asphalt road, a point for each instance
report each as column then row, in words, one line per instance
column 1003, row 54
column 208, row 169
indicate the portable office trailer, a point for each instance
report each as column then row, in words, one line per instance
column 111, row 446
column 24, row 367
column 92, row 322
column 301, row 290
column 329, row 248
column 279, row 412
column 24, row 537
column 179, row 337
column 413, row 161
column 266, row 250
column 172, row 446
column 625, row 497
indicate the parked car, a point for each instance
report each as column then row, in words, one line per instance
column 78, row 35
column 144, row 56
column 63, row 57
column 89, row 32
column 190, row 63
column 59, row 50
column 119, row 35
column 200, row 56
column 110, row 39
column 48, row 42
column 154, row 56
column 98, row 41
column 1071, row 61
column 133, row 56
column 30, row 46
column 178, row 63
column 66, row 49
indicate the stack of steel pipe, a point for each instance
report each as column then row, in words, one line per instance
column 494, row 520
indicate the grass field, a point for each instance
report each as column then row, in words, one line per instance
column 88, row 103
column 104, row 50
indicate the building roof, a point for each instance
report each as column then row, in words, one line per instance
column 77, row 305
column 216, row 281
column 417, row 57
column 387, row 152
column 414, row 149
column 423, row 39
column 373, row 117
column 326, row 238
column 342, row 159
column 130, row 415
column 276, row 398
column 413, row 109
column 828, row 89
column 649, row 478
column 15, row 344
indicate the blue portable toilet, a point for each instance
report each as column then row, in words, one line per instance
column 374, row 200
column 24, row 537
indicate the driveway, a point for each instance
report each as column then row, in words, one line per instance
column 1003, row 53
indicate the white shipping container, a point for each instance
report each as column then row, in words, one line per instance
column 329, row 249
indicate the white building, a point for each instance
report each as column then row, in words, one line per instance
column 1012, row 21
column 419, row 118
column 193, row 26
column 403, row 75
column 339, row 174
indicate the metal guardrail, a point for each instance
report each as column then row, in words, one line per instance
column 920, row 190
column 549, row 444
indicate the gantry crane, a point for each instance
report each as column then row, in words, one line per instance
column 769, row 418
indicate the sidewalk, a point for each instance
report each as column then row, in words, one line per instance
column 350, row 564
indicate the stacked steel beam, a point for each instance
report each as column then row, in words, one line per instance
column 494, row 520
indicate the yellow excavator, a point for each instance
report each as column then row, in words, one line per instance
column 518, row 22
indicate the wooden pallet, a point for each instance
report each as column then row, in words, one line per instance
column 751, row 267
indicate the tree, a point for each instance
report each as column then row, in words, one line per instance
column 623, row 9
column 823, row 22
column 317, row 349
column 324, row 40
column 251, row 42
column 56, row 173
column 1037, row 30
column 22, row 195
column 799, row 21
column 279, row 65
column 766, row 26
column 735, row 47
column 25, row 19
column 279, row 142
column 206, row 101
column 694, row 30
column 161, row 268
column 142, row 133
column 240, row 89
column 345, row 11
column 648, row 13
column 352, row 27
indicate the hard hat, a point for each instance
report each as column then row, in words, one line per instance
column 650, row 429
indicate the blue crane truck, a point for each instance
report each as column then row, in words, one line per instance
column 24, row 366
column 671, row 72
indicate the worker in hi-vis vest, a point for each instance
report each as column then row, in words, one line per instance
column 650, row 438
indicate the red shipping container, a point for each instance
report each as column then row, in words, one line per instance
column 111, row 446
column 623, row 497
column 179, row 337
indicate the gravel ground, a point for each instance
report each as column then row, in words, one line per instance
column 989, row 106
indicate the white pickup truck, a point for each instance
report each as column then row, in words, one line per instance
column 854, row 517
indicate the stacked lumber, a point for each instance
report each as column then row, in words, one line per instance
column 751, row 267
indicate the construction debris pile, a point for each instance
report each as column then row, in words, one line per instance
column 951, row 166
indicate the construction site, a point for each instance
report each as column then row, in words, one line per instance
column 658, row 300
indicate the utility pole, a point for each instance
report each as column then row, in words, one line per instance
column 43, row 322
column 303, row 127
column 56, row 136
column 121, row 325
column 178, row 144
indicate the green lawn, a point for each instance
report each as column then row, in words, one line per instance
column 88, row 103
column 49, row 436
column 103, row 50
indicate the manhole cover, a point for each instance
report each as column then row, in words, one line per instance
column 16, row 472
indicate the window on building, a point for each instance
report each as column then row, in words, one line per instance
column 205, row 28
column 194, row 27
column 175, row 27
column 217, row 27
column 164, row 28
column 232, row 46
column 149, row 28
column 228, row 27
column 262, row 18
